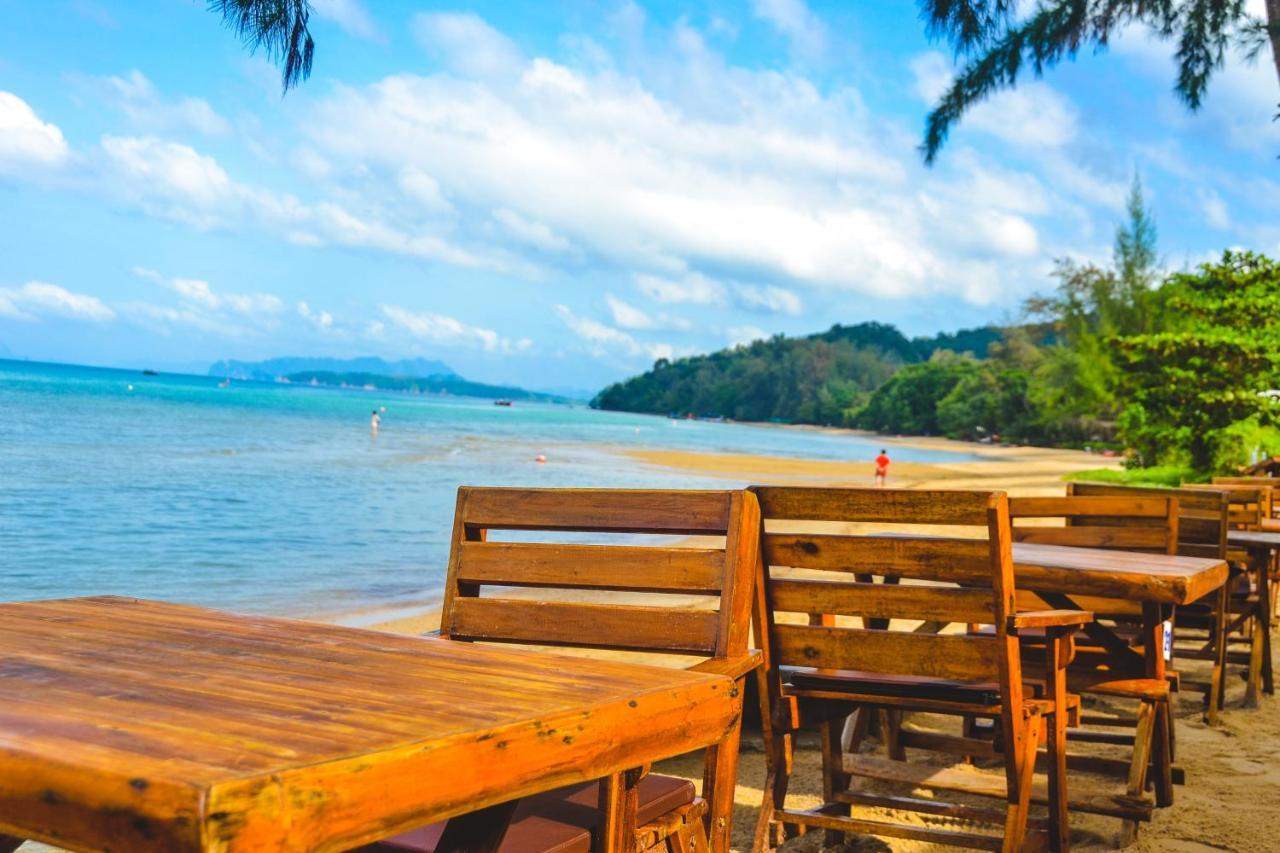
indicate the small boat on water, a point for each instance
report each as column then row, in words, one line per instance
column 149, row 372
column 502, row 402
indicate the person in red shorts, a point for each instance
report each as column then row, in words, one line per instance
column 882, row 468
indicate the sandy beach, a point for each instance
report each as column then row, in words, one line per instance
column 1233, row 771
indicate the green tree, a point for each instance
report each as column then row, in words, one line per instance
column 1076, row 383
column 1196, row 391
column 278, row 27
column 999, row 46
column 908, row 402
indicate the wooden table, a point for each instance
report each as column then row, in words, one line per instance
column 136, row 725
column 1158, row 581
column 1262, row 547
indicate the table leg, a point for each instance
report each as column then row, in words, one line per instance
column 1264, row 604
column 619, row 797
column 477, row 832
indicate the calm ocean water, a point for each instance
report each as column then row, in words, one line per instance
column 274, row 498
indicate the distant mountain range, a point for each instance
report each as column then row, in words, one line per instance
column 280, row 368
column 413, row 375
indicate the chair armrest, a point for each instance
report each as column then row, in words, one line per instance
column 1049, row 619
column 732, row 667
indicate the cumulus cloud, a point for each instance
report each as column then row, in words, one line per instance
column 1033, row 115
column 442, row 329
column 135, row 96
column 322, row 320
column 351, row 15
column 202, row 307
column 797, row 22
column 740, row 335
column 693, row 289
column 37, row 298
column 777, row 300
column 603, row 339
column 25, row 140
column 468, row 44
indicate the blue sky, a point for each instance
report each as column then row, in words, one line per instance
column 557, row 193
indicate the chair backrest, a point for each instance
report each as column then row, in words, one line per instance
column 1249, row 504
column 561, row 577
column 1143, row 523
column 1268, row 483
column 967, row 580
column 1202, row 514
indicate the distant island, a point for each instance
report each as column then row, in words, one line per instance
column 280, row 368
column 440, row 384
column 413, row 376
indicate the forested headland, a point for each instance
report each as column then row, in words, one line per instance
column 1180, row 370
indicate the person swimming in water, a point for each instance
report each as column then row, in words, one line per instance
column 374, row 421
column 882, row 468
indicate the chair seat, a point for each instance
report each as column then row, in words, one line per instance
column 559, row 821
column 900, row 686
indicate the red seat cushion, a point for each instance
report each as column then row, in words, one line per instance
column 559, row 821
column 902, row 686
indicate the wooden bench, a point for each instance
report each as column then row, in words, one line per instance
column 1134, row 523
column 820, row 668
column 561, row 600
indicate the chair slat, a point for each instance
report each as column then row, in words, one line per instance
column 927, row 558
column 950, row 656
column 878, row 600
column 585, row 625
column 615, row 510
column 885, row 506
column 613, row 567
column 1118, row 505
column 1088, row 536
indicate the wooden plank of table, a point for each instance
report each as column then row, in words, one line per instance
column 128, row 724
column 1254, row 538
column 1155, row 578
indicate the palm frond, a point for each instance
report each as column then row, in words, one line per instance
column 278, row 28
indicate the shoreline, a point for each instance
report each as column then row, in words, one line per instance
column 1020, row 471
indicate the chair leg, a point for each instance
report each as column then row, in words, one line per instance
column 1018, row 809
column 718, row 782
column 1163, row 759
column 777, row 752
column 833, row 778
column 1142, row 738
column 892, row 722
column 1217, row 682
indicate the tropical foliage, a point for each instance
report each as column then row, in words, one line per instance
column 279, row 28
column 1000, row 45
column 1176, row 369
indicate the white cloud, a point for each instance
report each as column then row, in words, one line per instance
column 1033, row 115
column 693, row 289
column 628, row 316
column 740, row 335
column 138, row 99
column 194, row 290
column 602, row 338
column 201, row 307
column 1215, row 210
column 36, row 298
column 439, row 328
column 351, row 15
column 467, row 44
column 795, row 20
column 777, row 300
column 322, row 320
column 25, row 140
column 530, row 232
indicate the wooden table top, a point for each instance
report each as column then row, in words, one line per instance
column 136, row 725
column 1257, row 538
column 1158, row 578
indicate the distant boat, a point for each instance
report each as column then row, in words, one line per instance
column 502, row 402
column 226, row 383
column 149, row 372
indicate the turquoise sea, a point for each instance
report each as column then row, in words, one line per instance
column 272, row 498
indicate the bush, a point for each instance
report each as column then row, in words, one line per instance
column 1160, row 475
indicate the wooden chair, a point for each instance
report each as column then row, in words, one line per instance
column 635, row 810
column 818, row 671
column 1269, row 522
column 1253, row 598
column 1135, row 523
column 1204, row 520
